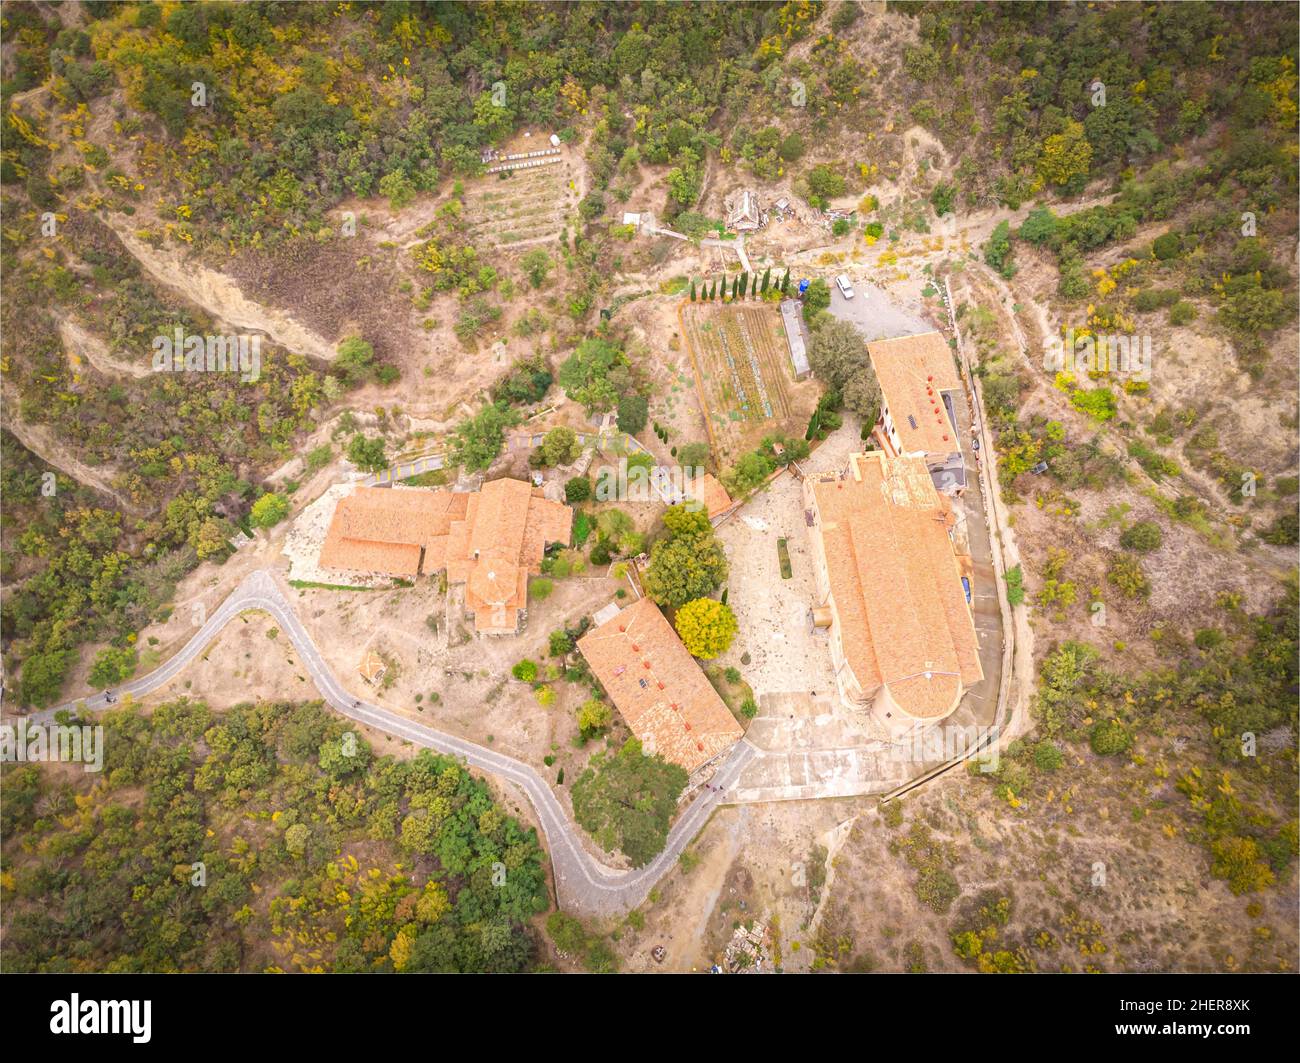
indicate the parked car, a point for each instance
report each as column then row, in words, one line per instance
column 842, row 283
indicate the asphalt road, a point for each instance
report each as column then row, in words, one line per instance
column 584, row 886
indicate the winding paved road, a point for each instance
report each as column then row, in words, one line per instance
column 583, row 885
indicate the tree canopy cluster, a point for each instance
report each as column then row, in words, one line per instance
column 370, row 863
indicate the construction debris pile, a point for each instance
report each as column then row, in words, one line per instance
column 747, row 951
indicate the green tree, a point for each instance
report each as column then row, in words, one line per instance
column 626, row 800
column 367, row 454
column 750, row 470
column 633, row 411
column 596, row 374
column 43, row 676
column 593, row 717
column 112, row 665
column 476, row 441
column 398, row 188
column 688, row 563
column 560, row 446
column 997, row 252
column 815, row 300
column 355, row 359
column 1066, row 157
column 268, row 510
column 693, row 455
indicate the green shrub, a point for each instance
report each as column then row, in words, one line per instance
column 1015, row 579
column 1048, row 756
column 1168, row 246
column 1109, row 737
column 1144, row 536
column 1126, row 573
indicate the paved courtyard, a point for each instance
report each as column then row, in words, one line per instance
column 785, row 653
column 877, row 313
column 809, row 745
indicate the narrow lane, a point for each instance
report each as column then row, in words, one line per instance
column 584, row 886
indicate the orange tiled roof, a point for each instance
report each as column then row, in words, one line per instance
column 666, row 699
column 912, row 371
column 491, row 540
column 896, row 584
column 384, row 530
column 710, row 491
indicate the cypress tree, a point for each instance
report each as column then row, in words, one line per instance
column 692, row 291
column 767, row 276
column 713, row 292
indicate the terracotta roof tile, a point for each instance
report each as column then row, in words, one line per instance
column 491, row 540
column 913, row 372
column 895, row 583
column 709, row 489
column 383, row 530
column 670, row 706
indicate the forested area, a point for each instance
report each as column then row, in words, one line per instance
column 313, row 102
column 1172, row 126
column 269, row 837
column 181, row 453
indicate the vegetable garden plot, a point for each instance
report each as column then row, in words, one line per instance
column 526, row 207
column 740, row 356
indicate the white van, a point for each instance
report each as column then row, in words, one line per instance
column 842, row 283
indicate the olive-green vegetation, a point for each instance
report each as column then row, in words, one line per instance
column 688, row 562
column 267, row 837
column 626, row 800
column 1217, row 718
